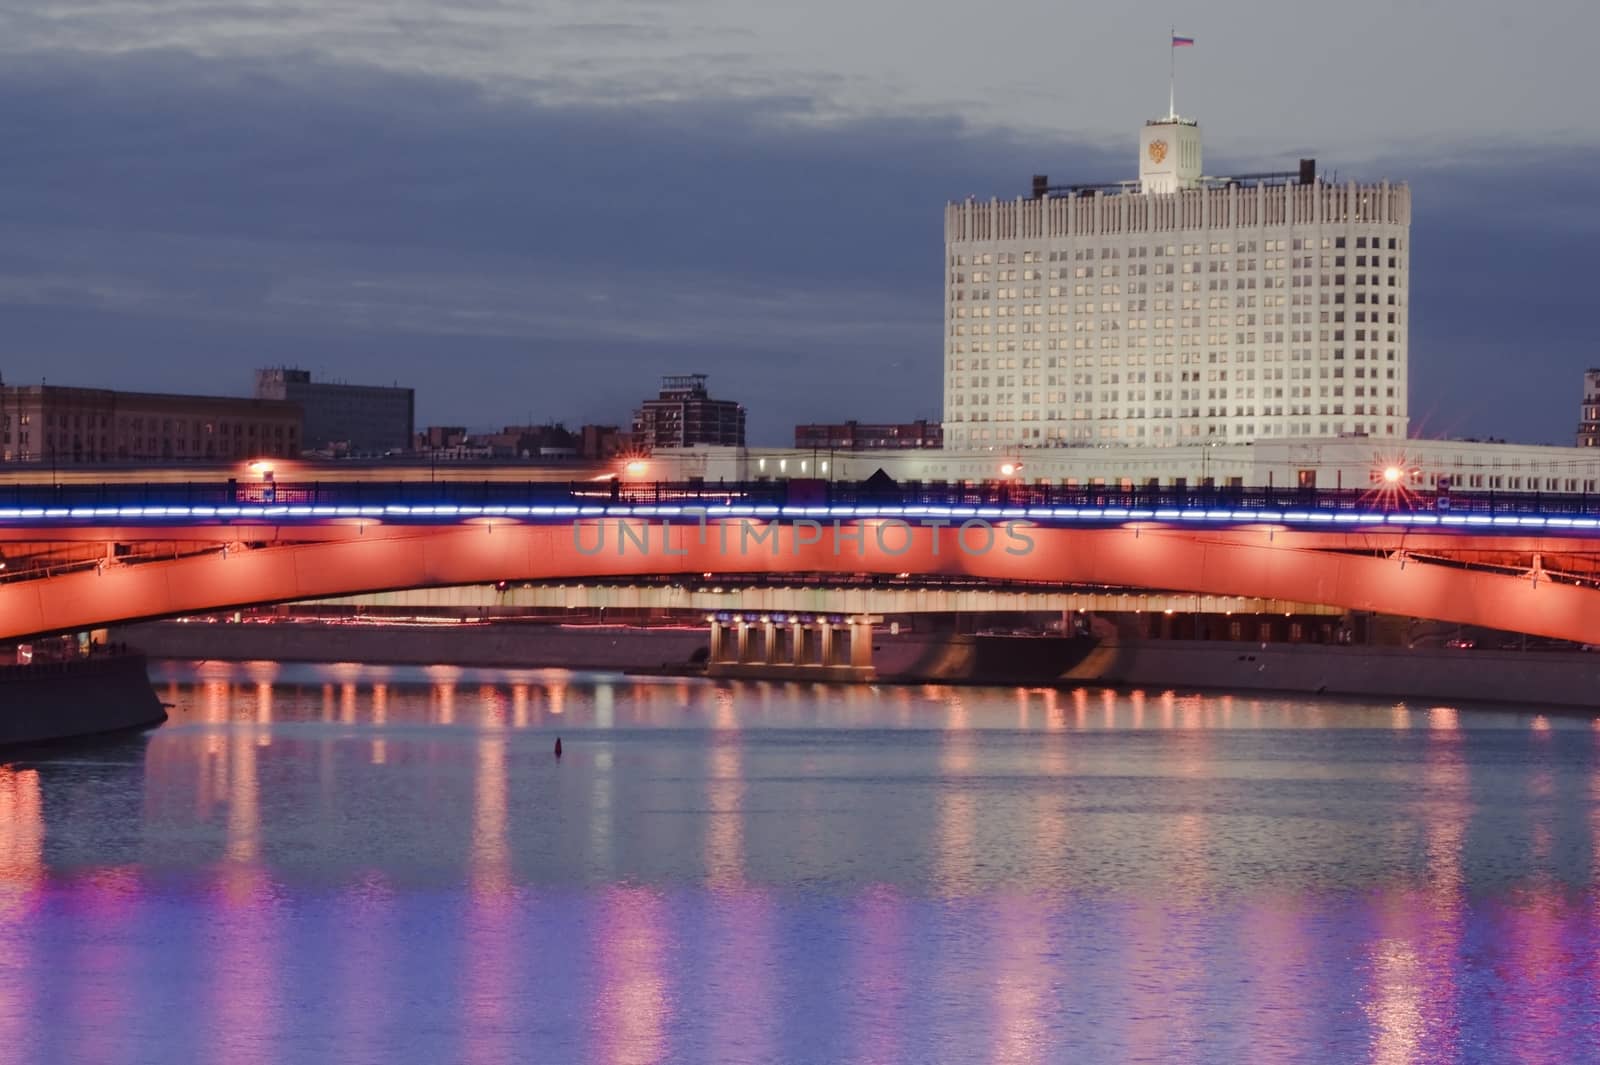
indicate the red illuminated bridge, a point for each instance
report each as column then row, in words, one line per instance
column 80, row 556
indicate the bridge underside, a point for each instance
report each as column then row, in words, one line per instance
column 730, row 594
column 108, row 575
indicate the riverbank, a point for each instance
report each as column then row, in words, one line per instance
column 1445, row 674
column 511, row 646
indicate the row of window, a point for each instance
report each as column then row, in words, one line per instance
column 1112, row 347
column 1330, row 297
column 1212, row 266
column 100, row 450
column 958, row 398
column 1188, row 358
column 1082, row 273
column 1145, row 251
column 1361, row 283
column 1086, row 324
column 1114, row 376
column 139, row 424
column 1007, row 400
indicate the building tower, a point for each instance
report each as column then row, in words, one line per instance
column 1169, row 155
column 685, row 415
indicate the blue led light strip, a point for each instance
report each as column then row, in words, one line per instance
column 450, row 513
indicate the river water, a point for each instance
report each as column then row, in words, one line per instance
column 358, row 864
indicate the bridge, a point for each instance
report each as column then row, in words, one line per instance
column 737, row 598
column 82, row 555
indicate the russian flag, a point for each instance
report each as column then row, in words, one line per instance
column 1182, row 42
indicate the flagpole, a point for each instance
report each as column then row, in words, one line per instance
column 1172, row 73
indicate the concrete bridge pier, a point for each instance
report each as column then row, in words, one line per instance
column 822, row 649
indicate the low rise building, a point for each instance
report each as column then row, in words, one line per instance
column 864, row 436
column 344, row 418
column 437, row 437
column 1477, row 466
column 553, row 442
column 604, row 442
column 65, row 425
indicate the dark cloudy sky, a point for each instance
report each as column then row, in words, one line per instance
column 535, row 209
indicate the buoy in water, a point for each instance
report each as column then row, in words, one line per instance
column 558, row 746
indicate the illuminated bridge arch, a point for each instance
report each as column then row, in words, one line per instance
column 1357, row 569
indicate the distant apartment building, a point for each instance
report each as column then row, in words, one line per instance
column 604, row 442
column 864, row 436
column 59, row 424
column 548, row 442
column 451, row 443
column 435, row 437
column 344, row 418
column 531, row 442
column 1589, row 428
column 685, row 415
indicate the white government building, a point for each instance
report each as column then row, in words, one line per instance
column 1181, row 329
column 1178, row 309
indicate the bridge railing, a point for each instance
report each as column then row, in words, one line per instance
column 86, row 499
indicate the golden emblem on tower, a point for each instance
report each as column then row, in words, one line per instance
column 1158, row 151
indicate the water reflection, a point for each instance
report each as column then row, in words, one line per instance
column 958, row 801
column 391, row 861
column 380, row 715
column 1020, row 1001
column 491, row 854
column 21, row 838
column 725, row 798
column 490, row 952
column 632, row 1007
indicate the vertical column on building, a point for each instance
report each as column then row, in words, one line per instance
column 861, row 644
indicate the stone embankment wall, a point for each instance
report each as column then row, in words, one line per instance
column 597, row 647
column 50, row 702
column 1446, row 675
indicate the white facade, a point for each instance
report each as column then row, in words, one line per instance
column 1183, row 310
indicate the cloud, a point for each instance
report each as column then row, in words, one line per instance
column 1503, row 239
column 172, row 221
column 204, row 215
column 1264, row 73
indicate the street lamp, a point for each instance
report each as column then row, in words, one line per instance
column 269, row 489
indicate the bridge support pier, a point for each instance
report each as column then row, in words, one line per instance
column 798, row 650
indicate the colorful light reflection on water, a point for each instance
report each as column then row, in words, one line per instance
column 360, row 864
